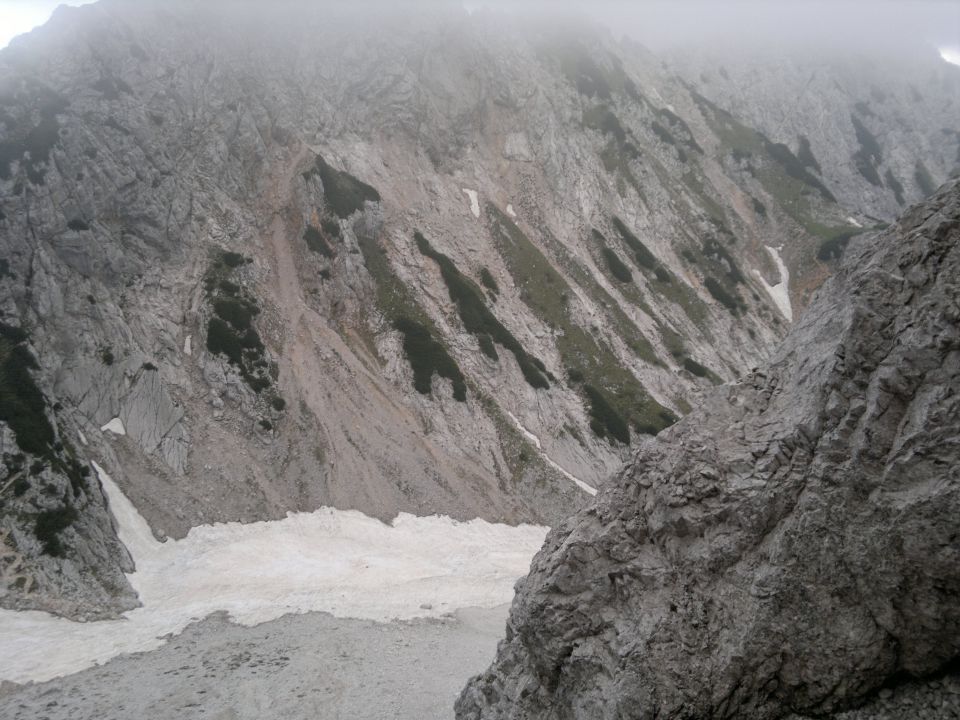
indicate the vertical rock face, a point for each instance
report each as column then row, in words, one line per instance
column 789, row 546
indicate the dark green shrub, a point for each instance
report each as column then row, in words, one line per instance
column 759, row 208
column 232, row 259
column 620, row 271
column 663, row 275
column 692, row 366
column 645, row 259
column 895, row 185
column 236, row 311
column 602, row 119
column 795, row 168
column 331, row 227
column 49, row 524
column 805, row 155
column 106, row 356
column 344, row 193
column 316, row 242
column 721, row 295
column 661, row 132
column 716, row 252
column 221, row 339
column 486, row 278
column 924, row 180
column 426, row 357
column 487, row 347
column 149, row 366
column 278, row 403
column 605, row 417
column 868, row 156
column 77, row 225
column 832, row 249
column 229, row 288
column 477, row 318
column 266, row 424
column 22, row 405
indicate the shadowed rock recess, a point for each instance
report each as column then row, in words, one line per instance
column 792, row 545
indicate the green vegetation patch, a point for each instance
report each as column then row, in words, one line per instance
column 604, row 420
column 230, row 332
column 617, row 267
column 601, row 118
column 666, row 284
column 22, row 405
column 726, row 298
column 344, row 193
column 868, row 157
column 924, row 179
column 680, row 126
column 641, row 253
column 48, row 525
column 488, row 281
column 32, row 129
column 782, row 174
column 427, row 356
column 587, row 359
column 832, row 247
column 317, row 242
column 805, row 155
column 422, row 344
column 896, row 186
column 476, row 316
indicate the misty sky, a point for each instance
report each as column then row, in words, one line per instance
column 20, row 16
column 662, row 24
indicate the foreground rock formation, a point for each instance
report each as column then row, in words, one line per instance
column 790, row 546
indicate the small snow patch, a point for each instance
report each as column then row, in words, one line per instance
column 115, row 426
column 474, row 202
column 510, row 211
column 854, row 222
column 188, row 345
column 779, row 293
column 83, row 438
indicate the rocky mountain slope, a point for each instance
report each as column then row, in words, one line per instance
column 850, row 119
column 254, row 263
column 792, row 545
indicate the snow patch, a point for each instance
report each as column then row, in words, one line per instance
column 115, row 426
column 951, row 55
column 853, row 221
column 83, row 438
column 474, row 202
column 780, row 293
column 188, row 345
column 589, row 489
column 510, row 211
column 341, row 562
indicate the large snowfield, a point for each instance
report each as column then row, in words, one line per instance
column 340, row 562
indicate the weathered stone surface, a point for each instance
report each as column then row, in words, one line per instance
column 791, row 545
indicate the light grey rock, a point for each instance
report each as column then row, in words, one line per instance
column 791, row 545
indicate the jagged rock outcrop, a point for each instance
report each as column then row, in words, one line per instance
column 791, row 545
